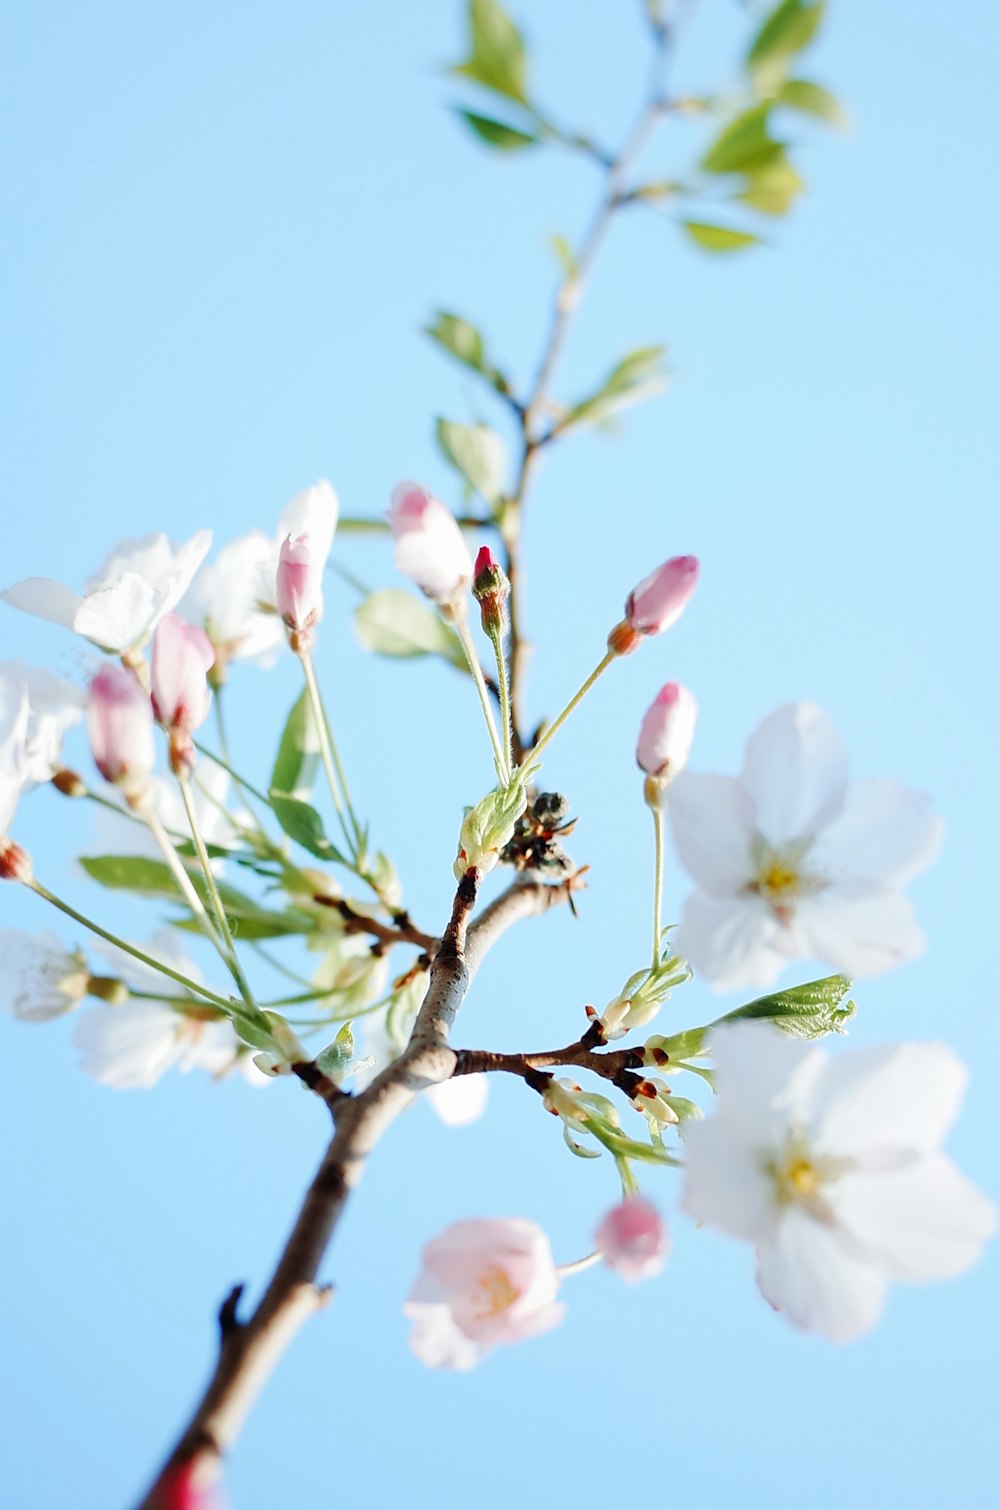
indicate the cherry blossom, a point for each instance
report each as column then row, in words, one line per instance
column 430, row 548
column 660, row 599
column 132, row 1046
column 123, row 602
column 182, row 658
column 120, row 725
column 41, row 978
column 667, row 733
column 832, row 1168
column 299, row 586
column 633, row 1240
column 14, row 719
column 54, row 705
column 234, row 598
column 483, row 1282
column 792, row 861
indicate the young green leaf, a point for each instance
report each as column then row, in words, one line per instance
column 151, row 878
column 812, row 99
column 784, row 33
column 718, row 238
column 497, row 58
column 394, row 622
column 773, row 188
column 298, row 751
column 742, row 143
column 497, row 133
column 477, row 452
column 806, row 1011
column 303, row 823
column 638, row 376
column 464, row 342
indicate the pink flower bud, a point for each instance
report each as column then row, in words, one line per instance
column 299, row 587
column 666, row 733
column 430, row 549
column 659, row 600
column 182, row 659
column 491, row 589
column 633, row 1240
column 191, row 1485
column 120, row 725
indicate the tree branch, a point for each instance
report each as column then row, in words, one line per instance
column 248, row 1350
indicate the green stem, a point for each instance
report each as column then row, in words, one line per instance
column 503, row 688
column 327, row 752
column 146, row 959
column 657, row 882
column 213, row 892
column 578, row 1266
column 184, row 881
column 461, row 625
column 630, row 1185
column 574, row 702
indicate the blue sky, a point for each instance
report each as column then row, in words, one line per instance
column 225, row 227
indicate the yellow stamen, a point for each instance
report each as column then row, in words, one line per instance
column 498, row 1293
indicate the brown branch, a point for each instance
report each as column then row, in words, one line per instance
column 248, row 1350
column 616, row 1065
column 404, row 930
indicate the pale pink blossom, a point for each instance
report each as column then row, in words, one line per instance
column 299, row 585
column 793, row 861
column 482, row 1283
column 667, row 733
column 123, row 602
column 120, row 725
column 659, row 599
column 182, row 659
column 633, row 1240
column 832, row 1168
column 430, row 548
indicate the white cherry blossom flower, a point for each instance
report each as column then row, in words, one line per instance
column 41, row 978
column 460, row 1100
column 15, row 714
column 832, row 1168
column 234, row 598
column 54, row 705
column 482, row 1283
column 123, row 602
column 133, row 1045
column 792, row 861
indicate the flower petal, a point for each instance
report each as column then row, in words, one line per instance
column 889, row 1098
column 724, row 1183
column 712, row 823
column 764, row 1079
column 795, row 769
column 732, row 941
column 436, row 1339
column 45, row 599
column 117, row 618
column 925, row 1220
column 884, row 833
column 459, row 1100
column 859, row 927
column 807, row 1272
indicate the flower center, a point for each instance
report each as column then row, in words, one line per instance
column 781, row 876
column 496, row 1291
column 797, row 1179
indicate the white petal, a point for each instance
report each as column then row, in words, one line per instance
column 45, row 599
column 924, row 1221
column 459, row 1100
column 884, row 832
column 795, row 769
column 436, row 1339
column 807, row 1272
column 128, row 1047
column 891, row 1098
column 859, row 927
column 724, row 1183
column 732, row 941
column 712, row 823
column 764, row 1080
column 312, row 512
column 117, row 618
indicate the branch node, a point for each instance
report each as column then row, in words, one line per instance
column 229, row 1322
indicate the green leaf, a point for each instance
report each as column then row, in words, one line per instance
column 773, row 188
column 335, row 1058
column 394, row 622
column 152, row 878
column 718, row 238
column 741, row 143
column 464, row 342
column 497, row 133
column 785, row 31
column 477, row 452
column 806, row 1011
column 812, row 99
column 638, row 376
column 497, row 58
column 564, row 256
column 303, row 823
column 298, row 751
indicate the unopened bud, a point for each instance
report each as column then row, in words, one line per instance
column 659, row 599
column 69, row 783
column 560, row 1097
column 665, row 740
column 15, row 862
column 651, row 1096
column 107, row 988
column 430, row 548
column 491, row 589
column 299, row 586
column 120, row 725
column 182, row 657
